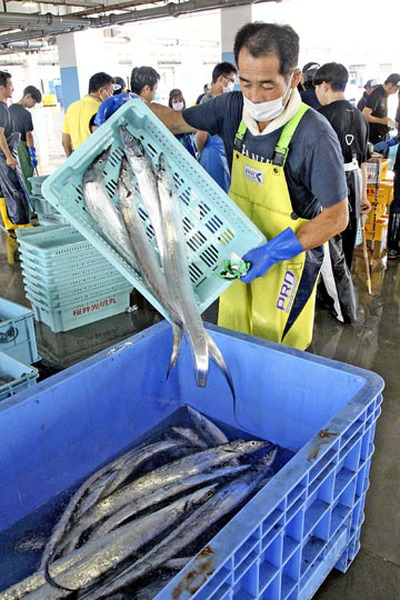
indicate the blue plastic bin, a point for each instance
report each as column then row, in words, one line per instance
column 21, row 375
column 287, row 538
column 17, row 333
column 214, row 226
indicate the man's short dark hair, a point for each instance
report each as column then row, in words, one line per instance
column 33, row 93
column 333, row 73
column 222, row 68
column 142, row 76
column 264, row 39
column 99, row 80
column 3, row 78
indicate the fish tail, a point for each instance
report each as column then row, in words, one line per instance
column 177, row 341
column 200, row 355
column 219, row 360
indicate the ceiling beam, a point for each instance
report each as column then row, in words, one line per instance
column 32, row 26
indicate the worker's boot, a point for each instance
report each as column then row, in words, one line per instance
column 394, row 236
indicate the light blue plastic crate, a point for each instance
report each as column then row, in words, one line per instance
column 36, row 184
column 70, row 288
column 214, row 226
column 24, row 233
column 81, row 312
column 83, row 295
column 17, row 333
column 285, row 540
column 81, row 272
column 57, row 246
column 21, row 374
column 46, row 212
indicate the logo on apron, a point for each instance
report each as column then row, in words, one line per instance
column 287, row 291
column 254, row 175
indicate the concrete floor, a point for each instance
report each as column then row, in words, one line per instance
column 370, row 343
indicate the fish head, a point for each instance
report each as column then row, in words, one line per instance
column 131, row 143
column 96, row 168
column 247, row 446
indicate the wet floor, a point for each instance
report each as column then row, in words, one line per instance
column 371, row 343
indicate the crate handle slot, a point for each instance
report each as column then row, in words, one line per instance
column 8, row 336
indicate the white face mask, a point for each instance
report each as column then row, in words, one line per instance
column 178, row 105
column 265, row 111
column 228, row 88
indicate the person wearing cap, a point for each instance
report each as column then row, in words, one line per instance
column 368, row 89
column 376, row 111
column 119, row 86
column 308, row 95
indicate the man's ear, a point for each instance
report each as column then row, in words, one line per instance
column 296, row 78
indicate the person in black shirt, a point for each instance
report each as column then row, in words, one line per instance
column 14, row 195
column 376, row 111
column 352, row 130
column 369, row 88
column 22, row 123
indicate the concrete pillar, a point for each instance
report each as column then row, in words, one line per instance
column 232, row 20
column 81, row 55
column 68, row 69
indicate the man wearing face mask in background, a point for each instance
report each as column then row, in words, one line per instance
column 287, row 176
column 76, row 128
column 211, row 147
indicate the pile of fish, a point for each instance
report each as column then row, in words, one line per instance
column 166, row 275
column 138, row 520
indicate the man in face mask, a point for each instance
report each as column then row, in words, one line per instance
column 211, row 147
column 76, row 128
column 287, row 176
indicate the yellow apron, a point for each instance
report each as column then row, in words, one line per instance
column 280, row 305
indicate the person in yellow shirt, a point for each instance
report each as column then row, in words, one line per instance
column 75, row 128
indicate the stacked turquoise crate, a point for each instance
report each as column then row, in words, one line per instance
column 18, row 348
column 67, row 281
column 47, row 214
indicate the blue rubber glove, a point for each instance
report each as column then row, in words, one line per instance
column 282, row 247
column 110, row 105
column 381, row 146
column 32, row 153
